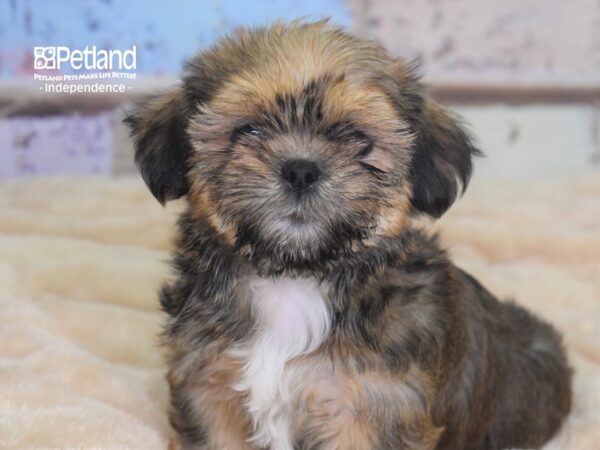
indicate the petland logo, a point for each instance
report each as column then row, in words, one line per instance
column 55, row 58
column 87, row 71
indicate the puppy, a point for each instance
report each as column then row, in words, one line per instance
column 307, row 312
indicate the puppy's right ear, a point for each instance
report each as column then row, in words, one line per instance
column 162, row 147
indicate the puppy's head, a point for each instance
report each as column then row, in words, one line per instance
column 299, row 142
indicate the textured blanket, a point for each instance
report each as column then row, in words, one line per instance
column 81, row 260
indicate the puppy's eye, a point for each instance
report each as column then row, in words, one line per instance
column 365, row 149
column 247, row 130
column 357, row 136
column 362, row 141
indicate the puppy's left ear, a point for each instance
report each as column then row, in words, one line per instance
column 162, row 147
column 442, row 159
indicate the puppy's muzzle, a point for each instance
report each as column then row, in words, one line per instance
column 301, row 174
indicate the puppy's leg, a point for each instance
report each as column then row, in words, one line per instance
column 369, row 411
column 206, row 412
column 536, row 395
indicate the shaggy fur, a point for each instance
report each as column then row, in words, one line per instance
column 414, row 353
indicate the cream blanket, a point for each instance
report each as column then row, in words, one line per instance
column 81, row 260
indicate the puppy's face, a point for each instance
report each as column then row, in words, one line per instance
column 300, row 143
column 298, row 170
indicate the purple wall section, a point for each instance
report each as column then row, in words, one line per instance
column 56, row 145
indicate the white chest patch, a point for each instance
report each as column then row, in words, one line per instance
column 292, row 320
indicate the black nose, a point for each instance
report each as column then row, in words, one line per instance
column 300, row 174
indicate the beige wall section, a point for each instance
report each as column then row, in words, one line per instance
column 553, row 42
column 540, row 57
column 533, row 142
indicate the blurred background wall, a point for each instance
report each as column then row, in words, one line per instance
column 525, row 74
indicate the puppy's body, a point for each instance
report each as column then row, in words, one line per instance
column 418, row 356
column 307, row 312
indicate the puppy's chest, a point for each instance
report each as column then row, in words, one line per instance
column 291, row 320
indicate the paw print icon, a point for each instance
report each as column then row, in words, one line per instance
column 44, row 58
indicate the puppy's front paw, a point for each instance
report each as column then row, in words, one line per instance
column 174, row 444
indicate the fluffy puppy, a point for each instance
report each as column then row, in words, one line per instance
column 307, row 312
